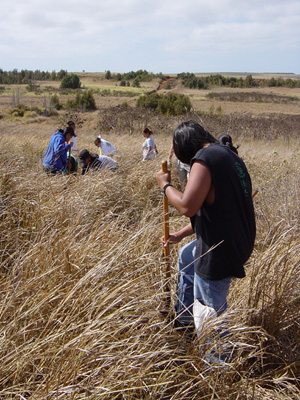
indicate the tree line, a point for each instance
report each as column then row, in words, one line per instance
column 26, row 76
column 190, row 80
column 135, row 76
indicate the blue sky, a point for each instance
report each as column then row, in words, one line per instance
column 169, row 36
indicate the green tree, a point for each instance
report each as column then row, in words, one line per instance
column 54, row 101
column 61, row 74
column 249, row 81
column 84, row 101
column 88, row 101
column 136, row 82
column 170, row 104
column 70, row 81
column 108, row 75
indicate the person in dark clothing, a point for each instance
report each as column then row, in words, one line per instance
column 218, row 200
column 227, row 141
column 91, row 161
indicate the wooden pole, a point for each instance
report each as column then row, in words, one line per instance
column 164, row 167
column 69, row 162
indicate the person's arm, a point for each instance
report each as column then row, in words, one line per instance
column 149, row 148
column 148, row 152
column 178, row 236
column 60, row 149
column 198, row 189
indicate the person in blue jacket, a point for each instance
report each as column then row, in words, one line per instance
column 56, row 160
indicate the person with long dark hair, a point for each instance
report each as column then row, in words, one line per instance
column 55, row 160
column 218, row 200
column 226, row 139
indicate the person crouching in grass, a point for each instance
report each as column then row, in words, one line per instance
column 91, row 161
column 56, row 159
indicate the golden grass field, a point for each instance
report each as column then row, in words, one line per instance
column 83, row 306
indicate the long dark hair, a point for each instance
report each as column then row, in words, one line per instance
column 190, row 137
column 226, row 140
column 67, row 130
column 147, row 130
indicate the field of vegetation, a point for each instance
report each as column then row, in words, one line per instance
column 84, row 310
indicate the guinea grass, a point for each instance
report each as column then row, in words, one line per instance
column 83, row 307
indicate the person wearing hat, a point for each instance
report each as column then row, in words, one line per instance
column 105, row 147
column 73, row 140
column 55, row 159
column 91, row 161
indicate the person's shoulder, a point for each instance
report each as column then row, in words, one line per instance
column 212, row 148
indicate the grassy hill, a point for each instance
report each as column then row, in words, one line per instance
column 83, row 305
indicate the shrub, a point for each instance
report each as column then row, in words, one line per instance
column 31, row 87
column 136, row 83
column 21, row 110
column 148, row 101
column 108, row 75
column 55, row 102
column 169, row 104
column 84, row 102
column 71, row 81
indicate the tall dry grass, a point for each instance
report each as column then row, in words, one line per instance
column 84, row 312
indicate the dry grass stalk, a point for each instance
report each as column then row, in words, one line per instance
column 82, row 277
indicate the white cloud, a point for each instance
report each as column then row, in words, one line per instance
column 135, row 34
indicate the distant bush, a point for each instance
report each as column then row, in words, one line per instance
column 108, row 75
column 55, row 102
column 169, row 104
column 20, row 110
column 84, row 102
column 253, row 96
column 70, row 81
column 141, row 75
column 31, row 87
column 136, row 82
column 203, row 82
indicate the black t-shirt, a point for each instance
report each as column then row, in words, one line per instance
column 230, row 222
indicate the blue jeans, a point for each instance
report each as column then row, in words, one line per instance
column 190, row 286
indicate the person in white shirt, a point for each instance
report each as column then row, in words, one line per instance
column 105, row 147
column 73, row 140
column 149, row 147
column 94, row 162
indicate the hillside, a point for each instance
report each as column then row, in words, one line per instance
column 86, row 305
